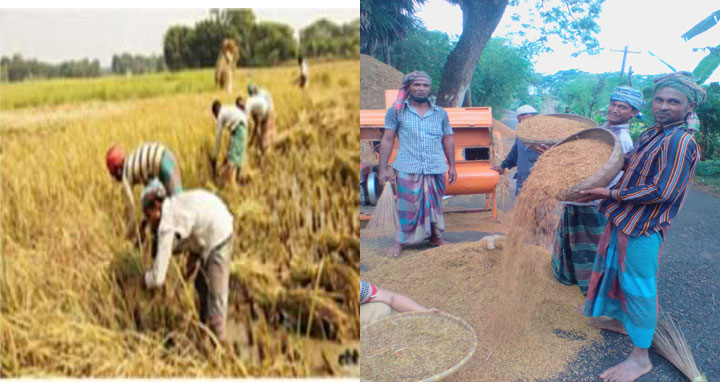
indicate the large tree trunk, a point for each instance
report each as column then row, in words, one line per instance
column 480, row 18
column 467, row 102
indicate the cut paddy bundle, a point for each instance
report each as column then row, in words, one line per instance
column 670, row 342
column 415, row 346
column 384, row 221
column 550, row 129
column 502, row 189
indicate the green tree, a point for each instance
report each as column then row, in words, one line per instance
column 177, row 47
column 383, row 22
column 572, row 21
column 274, row 43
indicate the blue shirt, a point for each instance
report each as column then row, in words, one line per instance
column 524, row 158
column 655, row 181
column 420, row 148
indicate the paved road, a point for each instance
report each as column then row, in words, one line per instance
column 688, row 289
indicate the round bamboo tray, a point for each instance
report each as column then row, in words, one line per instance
column 606, row 173
column 396, row 321
column 535, row 144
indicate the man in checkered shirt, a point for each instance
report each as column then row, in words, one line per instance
column 426, row 152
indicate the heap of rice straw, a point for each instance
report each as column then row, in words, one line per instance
column 670, row 342
column 546, row 128
column 414, row 347
column 384, row 221
column 534, row 219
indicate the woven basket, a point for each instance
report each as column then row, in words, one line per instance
column 606, row 173
column 536, row 144
column 440, row 316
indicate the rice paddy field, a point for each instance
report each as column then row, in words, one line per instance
column 70, row 297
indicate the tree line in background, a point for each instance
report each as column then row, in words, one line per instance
column 17, row 68
column 261, row 43
column 127, row 63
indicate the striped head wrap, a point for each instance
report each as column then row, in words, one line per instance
column 630, row 96
column 404, row 93
column 152, row 191
column 682, row 82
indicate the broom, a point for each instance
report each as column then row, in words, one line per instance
column 384, row 220
column 670, row 342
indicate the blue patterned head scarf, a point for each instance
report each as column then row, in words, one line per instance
column 682, row 82
column 152, row 191
column 630, row 96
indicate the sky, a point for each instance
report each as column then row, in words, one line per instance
column 56, row 35
column 643, row 25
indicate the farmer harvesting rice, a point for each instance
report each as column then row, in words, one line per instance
column 260, row 107
column 623, row 284
column 146, row 162
column 376, row 303
column 302, row 81
column 425, row 142
column 199, row 222
column 578, row 232
column 233, row 118
column 520, row 155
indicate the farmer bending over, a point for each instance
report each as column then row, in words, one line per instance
column 150, row 160
column 233, row 118
column 639, row 209
column 260, row 107
column 199, row 222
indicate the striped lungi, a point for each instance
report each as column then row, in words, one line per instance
column 576, row 241
column 419, row 205
column 623, row 284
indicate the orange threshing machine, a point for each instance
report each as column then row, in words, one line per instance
column 472, row 127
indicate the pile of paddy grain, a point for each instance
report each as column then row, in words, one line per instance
column 375, row 78
column 465, row 280
column 534, row 220
column 548, row 128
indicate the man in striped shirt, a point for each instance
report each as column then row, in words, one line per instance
column 426, row 152
column 639, row 209
column 144, row 163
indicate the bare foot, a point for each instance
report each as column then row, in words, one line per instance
column 580, row 308
column 437, row 241
column 607, row 323
column 635, row 366
column 394, row 251
column 434, row 310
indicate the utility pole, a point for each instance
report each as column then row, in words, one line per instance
column 625, row 53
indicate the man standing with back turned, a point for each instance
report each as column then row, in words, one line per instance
column 623, row 283
column 426, row 151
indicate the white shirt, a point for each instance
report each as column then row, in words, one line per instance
column 197, row 221
column 259, row 104
column 230, row 117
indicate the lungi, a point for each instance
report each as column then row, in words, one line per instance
column 623, row 284
column 419, row 205
column 576, row 240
